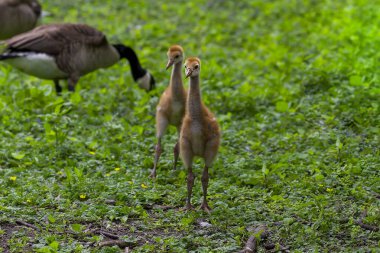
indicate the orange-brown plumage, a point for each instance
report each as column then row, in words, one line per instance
column 192, row 60
column 171, row 107
column 175, row 48
column 200, row 134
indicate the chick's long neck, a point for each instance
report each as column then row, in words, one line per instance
column 194, row 103
column 176, row 82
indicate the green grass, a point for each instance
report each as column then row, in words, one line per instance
column 295, row 88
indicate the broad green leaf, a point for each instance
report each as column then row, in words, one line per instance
column 54, row 245
column 18, row 155
column 338, row 144
column 68, row 174
column 264, row 169
column 77, row 228
column 282, row 106
column 51, row 219
column 76, row 98
column 355, row 80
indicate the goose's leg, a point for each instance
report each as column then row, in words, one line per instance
column 58, row 88
column 72, row 81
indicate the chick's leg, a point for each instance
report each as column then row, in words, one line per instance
column 210, row 154
column 161, row 126
column 187, row 157
column 176, row 151
column 205, row 178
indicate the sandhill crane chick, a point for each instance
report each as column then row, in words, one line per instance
column 171, row 107
column 200, row 134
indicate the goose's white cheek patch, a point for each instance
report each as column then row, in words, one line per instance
column 144, row 82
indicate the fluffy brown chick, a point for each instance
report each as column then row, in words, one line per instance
column 171, row 107
column 200, row 134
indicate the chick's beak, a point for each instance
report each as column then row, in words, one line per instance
column 170, row 63
column 188, row 73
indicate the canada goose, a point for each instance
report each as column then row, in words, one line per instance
column 18, row 16
column 69, row 51
column 200, row 134
column 171, row 107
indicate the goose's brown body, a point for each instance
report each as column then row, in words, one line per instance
column 171, row 107
column 18, row 16
column 76, row 48
column 69, row 51
column 200, row 134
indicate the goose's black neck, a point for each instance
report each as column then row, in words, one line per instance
column 130, row 55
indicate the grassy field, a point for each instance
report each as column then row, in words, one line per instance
column 295, row 86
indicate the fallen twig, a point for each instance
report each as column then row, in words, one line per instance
column 149, row 207
column 261, row 233
column 98, row 231
column 271, row 246
column 110, row 201
column 163, row 207
column 23, row 223
column 251, row 244
column 120, row 243
column 301, row 220
column 109, row 235
column 366, row 226
column 93, row 231
column 284, row 249
column 278, row 223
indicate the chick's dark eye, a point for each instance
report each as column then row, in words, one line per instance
column 196, row 67
column 177, row 56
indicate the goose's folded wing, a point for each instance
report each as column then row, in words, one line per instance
column 52, row 39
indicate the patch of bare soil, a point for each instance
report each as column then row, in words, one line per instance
column 10, row 230
column 133, row 234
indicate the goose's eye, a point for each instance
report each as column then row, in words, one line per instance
column 177, row 56
column 196, row 67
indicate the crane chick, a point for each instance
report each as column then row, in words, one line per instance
column 171, row 107
column 200, row 134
